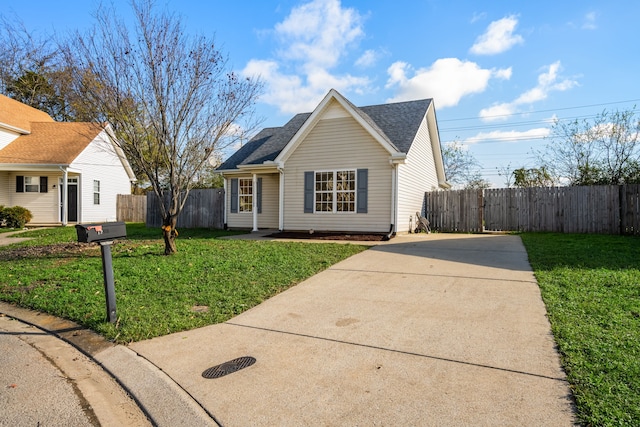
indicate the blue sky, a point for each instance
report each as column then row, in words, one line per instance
column 499, row 72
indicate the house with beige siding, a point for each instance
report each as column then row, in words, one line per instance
column 338, row 168
column 63, row 172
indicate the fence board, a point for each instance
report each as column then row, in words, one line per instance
column 131, row 208
column 604, row 209
column 204, row 208
column 454, row 210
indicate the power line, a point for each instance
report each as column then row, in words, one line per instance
column 543, row 111
column 502, row 125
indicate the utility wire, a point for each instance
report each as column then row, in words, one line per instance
column 543, row 111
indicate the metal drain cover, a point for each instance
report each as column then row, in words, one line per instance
column 229, row 367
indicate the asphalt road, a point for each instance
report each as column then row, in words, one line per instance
column 33, row 390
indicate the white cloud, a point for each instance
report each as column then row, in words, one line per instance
column 368, row 59
column 446, row 81
column 589, row 21
column 313, row 40
column 547, row 82
column 498, row 38
column 318, row 33
column 477, row 16
column 508, row 136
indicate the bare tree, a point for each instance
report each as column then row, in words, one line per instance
column 169, row 97
column 506, row 171
column 461, row 167
column 604, row 150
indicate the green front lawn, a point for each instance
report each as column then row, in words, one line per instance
column 208, row 281
column 591, row 287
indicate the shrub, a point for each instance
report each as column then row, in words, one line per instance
column 15, row 217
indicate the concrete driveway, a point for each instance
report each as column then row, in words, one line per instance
column 440, row 329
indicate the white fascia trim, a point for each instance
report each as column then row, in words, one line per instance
column 434, row 135
column 398, row 158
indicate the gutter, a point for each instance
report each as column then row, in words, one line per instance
column 14, row 129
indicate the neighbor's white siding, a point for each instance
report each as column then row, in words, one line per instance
column 269, row 216
column 99, row 162
column 415, row 177
column 5, row 188
column 43, row 206
column 338, row 144
column 6, row 137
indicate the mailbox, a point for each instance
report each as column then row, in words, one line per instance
column 102, row 232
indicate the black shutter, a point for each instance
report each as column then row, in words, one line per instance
column 44, row 187
column 259, row 195
column 19, row 184
column 234, row 195
column 309, row 184
column 362, row 195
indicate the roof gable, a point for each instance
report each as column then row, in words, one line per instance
column 357, row 114
column 19, row 116
column 393, row 125
column 56, row 143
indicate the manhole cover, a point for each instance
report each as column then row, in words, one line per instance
column 229, row 367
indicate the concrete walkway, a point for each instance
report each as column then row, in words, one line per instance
column 8, row 239
column 437, row 329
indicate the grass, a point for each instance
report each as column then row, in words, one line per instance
column 157, row 294
column 591, row 287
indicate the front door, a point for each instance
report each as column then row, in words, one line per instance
column 70, row 202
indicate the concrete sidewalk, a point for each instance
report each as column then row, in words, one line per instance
column 425, row 330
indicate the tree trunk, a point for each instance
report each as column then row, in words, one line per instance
column 169, row 234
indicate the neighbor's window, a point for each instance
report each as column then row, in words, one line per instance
column 245, row 195
column 32, row 184
column 96, row 192
column 335, row 191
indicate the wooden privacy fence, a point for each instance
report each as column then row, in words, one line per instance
column 604, row 209
column 203, row 209
column 131, row 208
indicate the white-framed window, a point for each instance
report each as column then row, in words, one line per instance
column 31, row 184
column 324, row 191
column 245, row 195
column 335, row 191
column 96, row 192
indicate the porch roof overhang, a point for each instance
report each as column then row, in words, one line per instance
column 15, row 167
column 266, row 167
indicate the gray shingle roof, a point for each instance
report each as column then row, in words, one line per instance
column 398, row 123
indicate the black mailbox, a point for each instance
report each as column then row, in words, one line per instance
column 105, row 231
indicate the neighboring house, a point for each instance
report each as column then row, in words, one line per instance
column 339, row 168
column 42, row 161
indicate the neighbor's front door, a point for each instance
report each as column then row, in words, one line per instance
column 71, row 201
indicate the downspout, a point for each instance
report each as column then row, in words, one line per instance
column 394, row 198
column 281, row 200
column 65, row 196
column 254, row 202
column 224, row 215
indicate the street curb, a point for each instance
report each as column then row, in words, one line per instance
column 163, row 401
